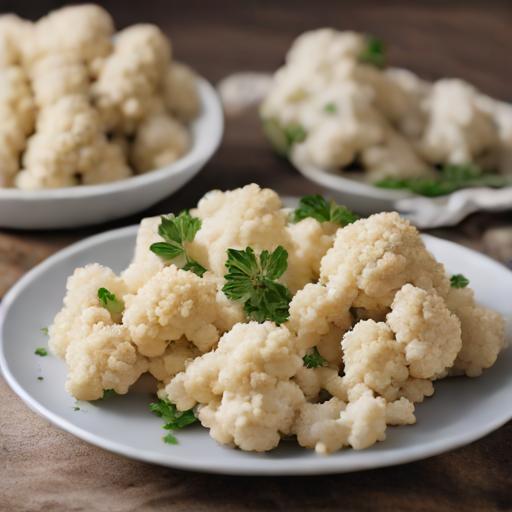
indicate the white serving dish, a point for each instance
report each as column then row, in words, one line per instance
column 93, row 204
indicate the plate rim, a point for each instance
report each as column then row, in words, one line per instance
column 313, row 466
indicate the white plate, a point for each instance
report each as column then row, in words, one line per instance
column 424, row 212
column 461, row 410
column 90, row 204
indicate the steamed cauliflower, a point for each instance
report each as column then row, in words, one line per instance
column 373, row 322
column 334, row 105
column 83, row 105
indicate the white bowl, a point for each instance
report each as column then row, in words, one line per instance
column 92, row 204
column 424, row 212
column 461, row 410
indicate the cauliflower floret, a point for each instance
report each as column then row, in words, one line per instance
column 377, row 256
column 415, row 390
column 483, row 333
column 130, row 76
column 317, row 309
column 180, row 92
column 313, row 380
column 428, row 331
column 9, row 166
column 244, row 386
column 174, row 359
column 400, row 412
column 159, row 141
column 458, row 131
column 81, row 294
column 318, row 426
column 172, row 304
column 58, row 75
column 374, row 358
column 101, row 357
column 82, row 30
column 366, row 419
column 112, row 165
column 13, row 31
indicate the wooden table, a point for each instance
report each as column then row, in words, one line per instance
column 43, row 468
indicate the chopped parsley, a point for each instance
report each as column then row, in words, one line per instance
column 313, row 359
column 41, row 351
column 176, row 232
column 40, row 378
column 330, row 108
column 44, row 330
column 374, row 53
column 110, row 302
column 76, row 408
column 459, row 281
column 108, row 393
column 323, row 211
column 451, row 178
column 282, row 137
column 173, row 419
column 252, row 281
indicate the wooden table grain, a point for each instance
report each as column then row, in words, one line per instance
column 470, row 40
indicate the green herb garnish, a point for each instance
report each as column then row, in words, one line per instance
column 41, row 351
column 330, row 108
column 173, row 419
column 323, row 211
column 108, row 393
column 313, row 359
column 374, row 53
column 450, row 179
column 253, row 282
column 176, row 232
column 459, row 281
column 44, row 330
column 76, row 408
column 40, row 378
column 282, row 137
column 110, row 302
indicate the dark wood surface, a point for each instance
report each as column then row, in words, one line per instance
column 470, row 40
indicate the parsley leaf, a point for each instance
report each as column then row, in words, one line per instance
column 110, row 302
column 323, row 211
column 451, row 178
column 176, row 232
column 282, row 137
column 254, row 283
column 313, row 359
column 173, row 418
column 40, row 378
column 330, row 108
column 374, row 53
column 459, row 281
column 44, row 330
column 108, row 393
column 41, row 351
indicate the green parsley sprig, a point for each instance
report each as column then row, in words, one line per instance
column 41, row 351
column 330, row 108
column 323, row 211
column 450, row 179
column 282, row 137
column 374, row 53
column 252, row 281
column 177, row 231
column 110, row 302
column 313, row 359
column 173, row 419
column 459, row 281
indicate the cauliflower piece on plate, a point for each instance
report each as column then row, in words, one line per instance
column 81, row 294
column 376, row 257
column 13, row 32
column 174, row 360
column 483, row 333
column 244, row 387
column 160, row 140
column 181, row 96
column 172, row 304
